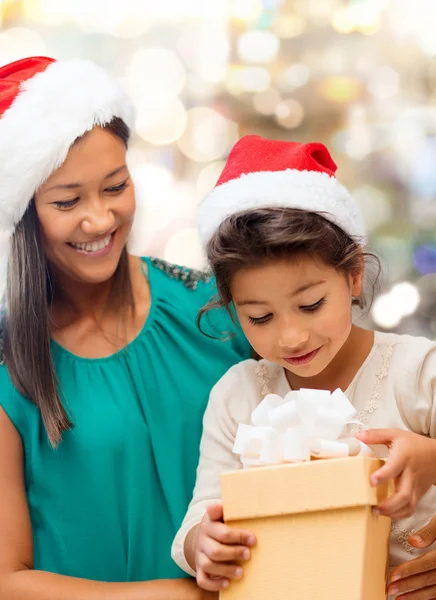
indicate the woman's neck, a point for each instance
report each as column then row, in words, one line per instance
column 86, row 322
column 81, row 299
column 343, row 368
column 75, row 300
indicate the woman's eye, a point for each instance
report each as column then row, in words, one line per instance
column 66, row 204
column 313, row 307
column 117, row 188
column 259, row 320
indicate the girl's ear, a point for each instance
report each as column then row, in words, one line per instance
column 356, row 277
column 356, row 284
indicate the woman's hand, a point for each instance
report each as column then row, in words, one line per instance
column 416, row 579
column 411, row 464
column 218, row 548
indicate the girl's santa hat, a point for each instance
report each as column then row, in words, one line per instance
column 45, row 105
column 262, row 173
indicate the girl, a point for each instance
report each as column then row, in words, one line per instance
column 286, row 243
column 104, row 376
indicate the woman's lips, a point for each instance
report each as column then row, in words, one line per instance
column 96, row 249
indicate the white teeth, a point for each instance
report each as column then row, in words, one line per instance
column 92, row 246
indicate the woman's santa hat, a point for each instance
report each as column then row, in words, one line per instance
column 45, row 105
column 262, row 173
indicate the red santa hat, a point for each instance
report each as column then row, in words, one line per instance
column 262, row 173
column 45, row 105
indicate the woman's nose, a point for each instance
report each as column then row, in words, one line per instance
column 99, row 219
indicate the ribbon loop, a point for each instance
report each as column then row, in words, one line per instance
column 304, row 424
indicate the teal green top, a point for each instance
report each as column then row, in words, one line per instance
column 107, row 503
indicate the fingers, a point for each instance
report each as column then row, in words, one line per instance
column 402, row 503
column 424, row 586
column 421, row 593
column 378, row 436
column 216, row 566
column 213, row 568
column 222, row 553
column 428, row 593
column 219, row 550
column 424, row 537
column 229, row 536
column 422, row 564
column 210, row 585
column 215, row 512
column 392, row 469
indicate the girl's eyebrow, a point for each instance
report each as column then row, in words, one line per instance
column 303, row 288
column 307, row 286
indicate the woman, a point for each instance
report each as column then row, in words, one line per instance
column 105, row 375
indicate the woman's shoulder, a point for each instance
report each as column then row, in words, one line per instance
column 2, row 346
column 180, row 277
column 179, row 293
column 7, row 388
column 18, row 408
column 184, row 287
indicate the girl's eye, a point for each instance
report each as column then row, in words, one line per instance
column 313, row 307
column 259, row 320
column 117, row 188
column 65, row 205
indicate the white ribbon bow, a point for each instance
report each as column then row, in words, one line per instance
column 304, row 423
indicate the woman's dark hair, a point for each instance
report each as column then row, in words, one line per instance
column 248, row 239
column 26, row 325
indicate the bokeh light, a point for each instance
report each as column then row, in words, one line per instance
column 401, row 301
column 254, row 79
column 184, row 248
column 289, row 114
column 295, row 76
column 384, row 82
column 161, row 119
column 289, row 26
column 208, row 135
column 18, row 42
column 266, row 102
column 155, row 71
column 208, row 178
column 341, row 89
column 358, row 76
column 258, row 47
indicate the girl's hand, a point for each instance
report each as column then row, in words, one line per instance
column 218, row 548
column 411, row 463
column 416, row 579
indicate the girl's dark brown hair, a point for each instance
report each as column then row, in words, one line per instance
column 30, row 290
column 251, row 238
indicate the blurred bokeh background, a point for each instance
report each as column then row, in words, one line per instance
column 358, row 75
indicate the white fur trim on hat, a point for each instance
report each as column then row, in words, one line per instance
column 52, row 110
column 305, row 190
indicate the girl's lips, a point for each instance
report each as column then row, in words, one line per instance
column 304, row 359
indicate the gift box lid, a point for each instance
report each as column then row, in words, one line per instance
column 302, row 487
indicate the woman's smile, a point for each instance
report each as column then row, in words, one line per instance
column 95, row 248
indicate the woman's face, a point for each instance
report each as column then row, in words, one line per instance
column 86, row 208
column 296, row 314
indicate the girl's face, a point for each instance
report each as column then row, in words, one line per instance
column 86, row 208
column 296, row 314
